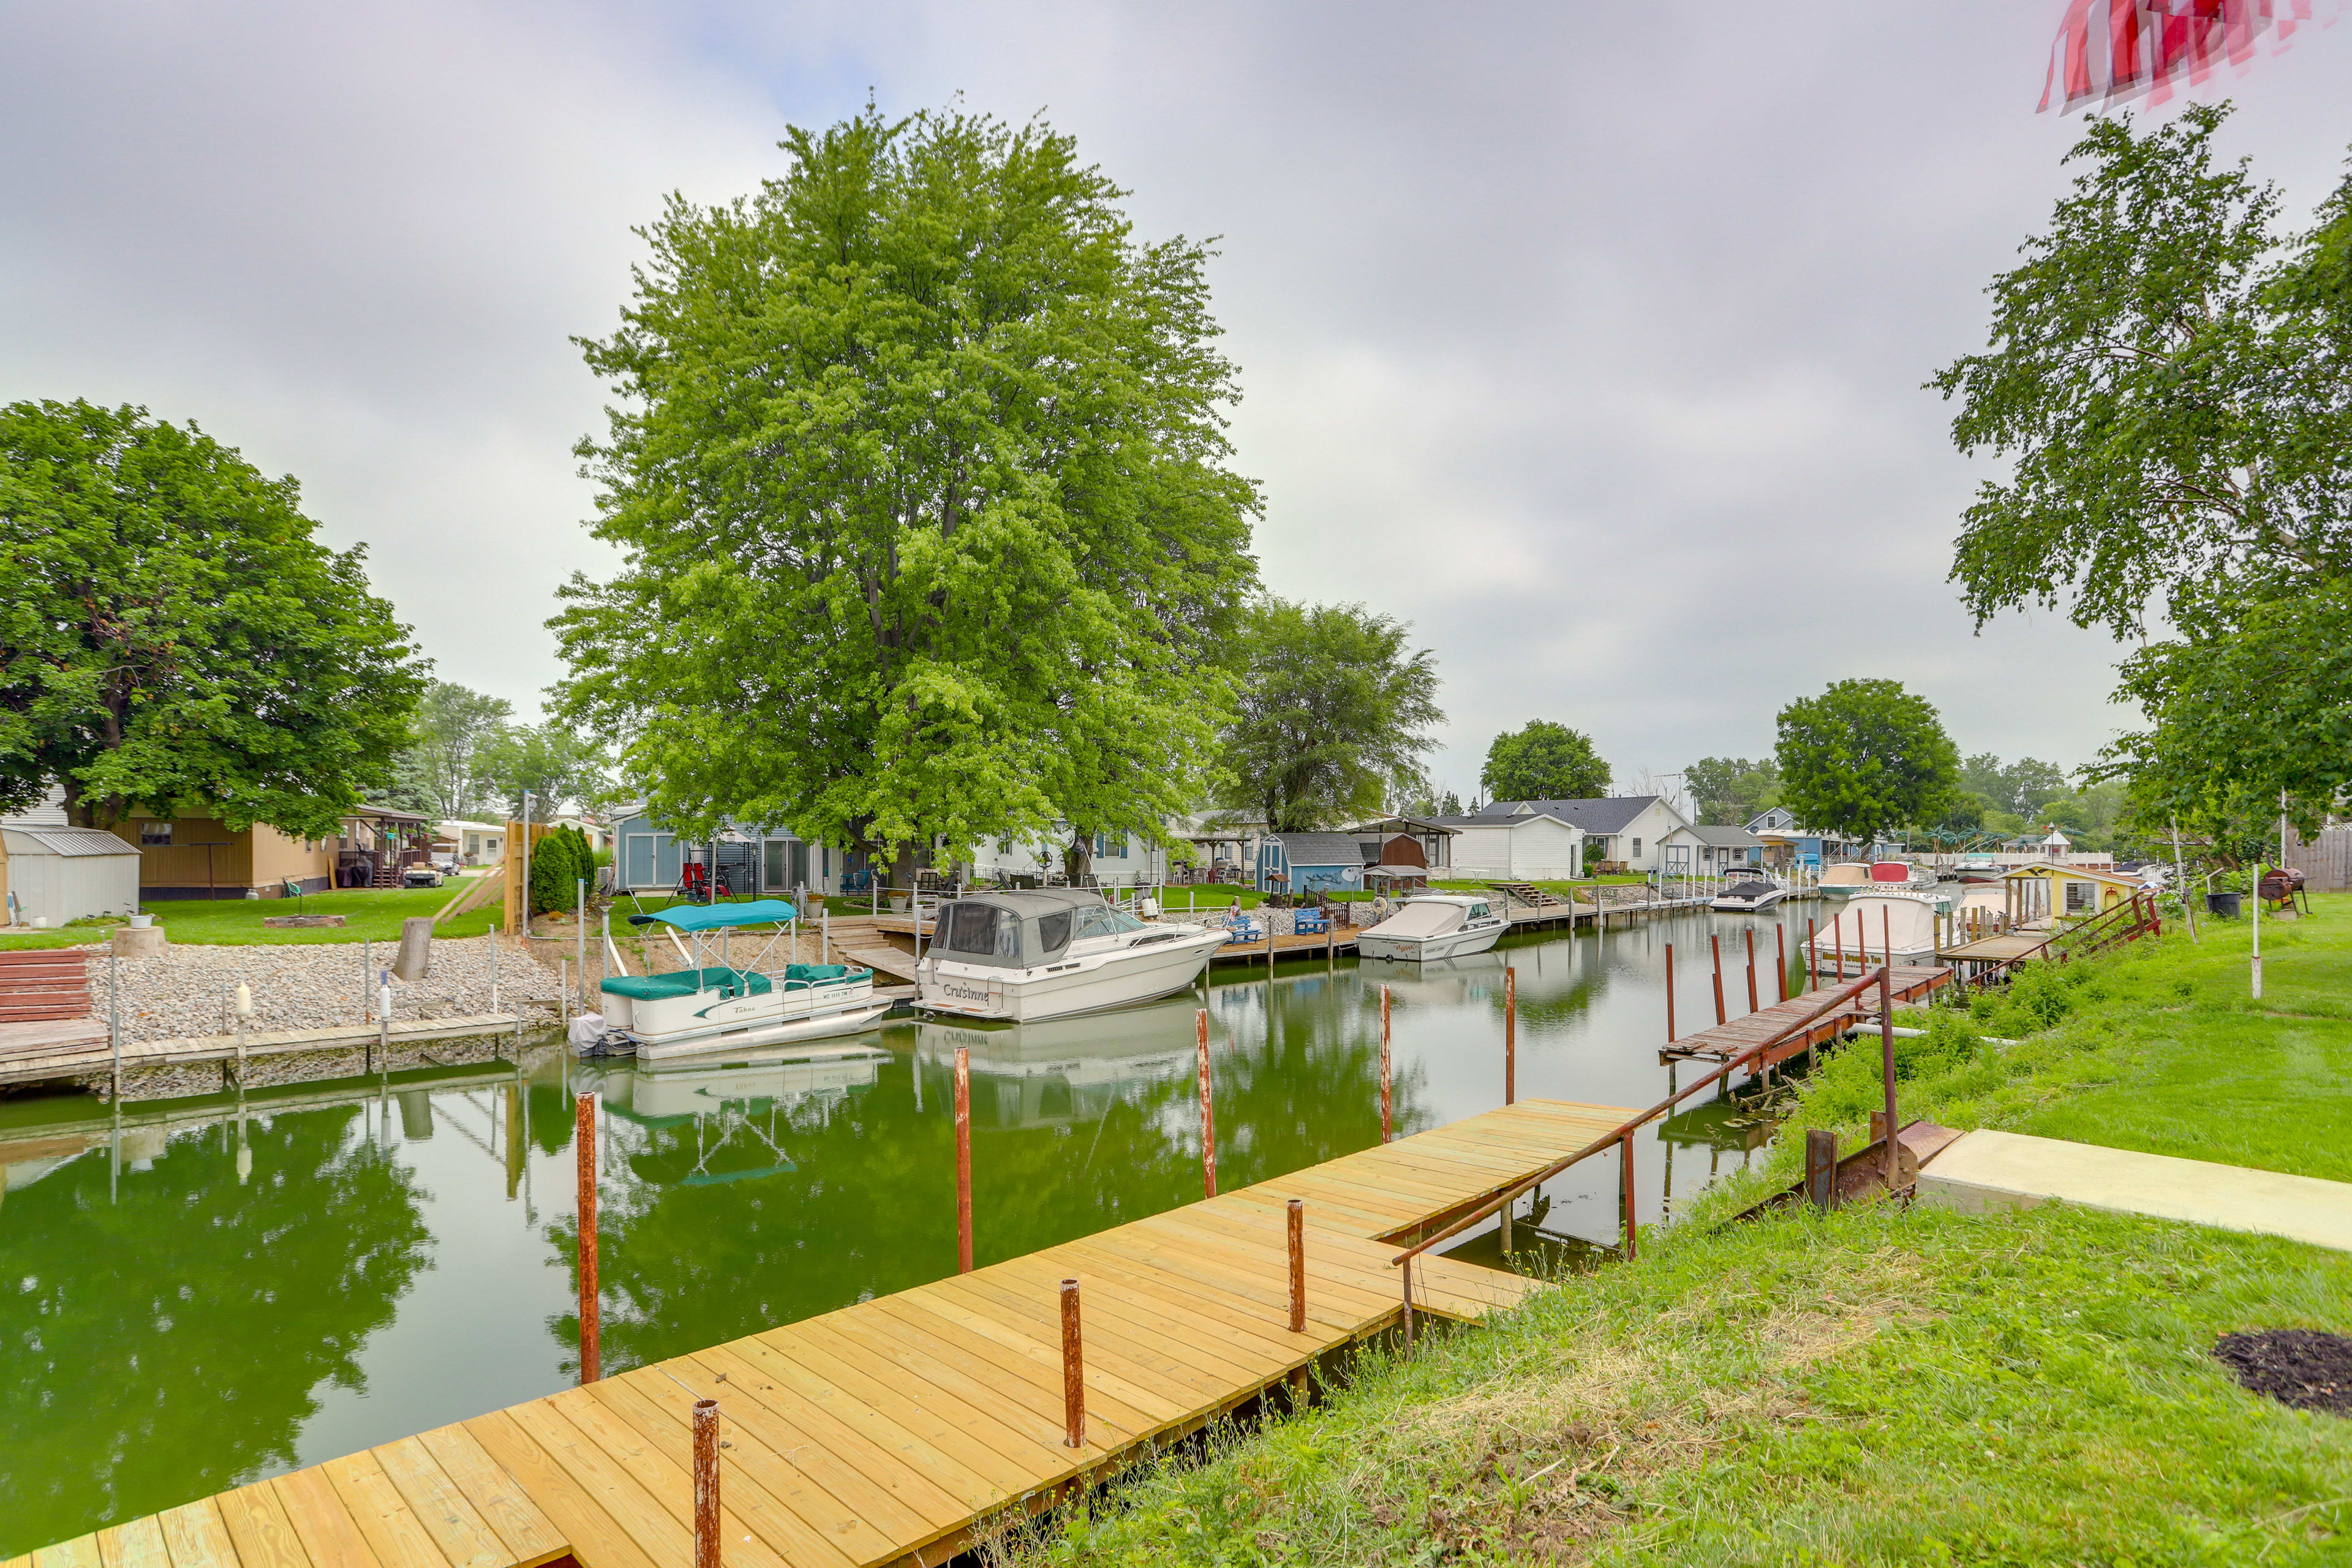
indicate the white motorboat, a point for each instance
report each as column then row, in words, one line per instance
column 1748, row 896
column 1879, row 924
column 707, row 1006
column 1050, row 952
column 1433, row 926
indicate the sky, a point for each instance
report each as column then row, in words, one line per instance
column 1587, row 339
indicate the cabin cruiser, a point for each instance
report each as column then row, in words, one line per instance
column 718, row 1006
column 1878, row 924
column 1748, row 896
column 1434, row 926
column 1026, row 956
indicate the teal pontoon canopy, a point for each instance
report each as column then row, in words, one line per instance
column 717, row 917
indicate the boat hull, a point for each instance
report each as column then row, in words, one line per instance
column 707, row 1019
column 849, row 1020
column 1749, row 906
column 1430, row 950
column 1092, row 984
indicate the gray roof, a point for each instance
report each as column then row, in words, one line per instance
column 1599, row 818
column 68, row 841
column 1723, row 837
column 1321, row 848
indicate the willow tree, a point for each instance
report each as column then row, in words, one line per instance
column 920, row 479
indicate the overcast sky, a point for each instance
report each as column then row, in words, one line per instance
column 1589, row 338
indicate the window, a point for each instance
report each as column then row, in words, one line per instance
column 2078, row 898
column 982, row 929
column 1054, row 931
column 1637, row 849
column 154, row 833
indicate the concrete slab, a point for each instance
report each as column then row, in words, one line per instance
column 1984, row 1170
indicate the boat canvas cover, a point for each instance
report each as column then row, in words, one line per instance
column 1018, row 929
column 1421, row 920
column 719, row 917
column 1748, row 889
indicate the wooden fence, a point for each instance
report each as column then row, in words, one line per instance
column 2326, row 862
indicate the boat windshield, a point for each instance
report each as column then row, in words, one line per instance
column 982, row 929
column 1103, row 921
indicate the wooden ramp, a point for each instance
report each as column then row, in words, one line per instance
column 897, row 1430
column 1726, row 1041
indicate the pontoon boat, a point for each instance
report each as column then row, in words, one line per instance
column 707, row 1006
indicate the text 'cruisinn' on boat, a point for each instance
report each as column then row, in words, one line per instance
column 707, row 1006
column 1050, row 952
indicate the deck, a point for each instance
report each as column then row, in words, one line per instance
column 79, row 1054
column 901, row 1429
column 1912, row 983
column 1996, row 949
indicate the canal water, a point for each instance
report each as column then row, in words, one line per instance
column 204, row 1294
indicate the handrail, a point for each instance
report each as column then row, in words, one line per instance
column 1844, row 994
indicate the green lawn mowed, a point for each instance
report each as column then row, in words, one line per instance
column 1882, row 1385
column 369, row 914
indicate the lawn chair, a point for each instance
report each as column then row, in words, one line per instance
column 290, row 889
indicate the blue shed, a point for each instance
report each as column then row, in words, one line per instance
column 1310, row 863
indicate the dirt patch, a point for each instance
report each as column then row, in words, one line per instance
column 2301, row 1367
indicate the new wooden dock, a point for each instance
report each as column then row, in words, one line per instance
column 1912, row 983
column 901, row 1429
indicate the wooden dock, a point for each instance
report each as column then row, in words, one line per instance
column 1912, row 983
column 901, row 1430
column 88, row 1051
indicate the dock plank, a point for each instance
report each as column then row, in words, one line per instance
column 463, row 1536
column 195, row 1537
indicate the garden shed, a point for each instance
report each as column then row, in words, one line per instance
column 1305, row 863
column 65, row 874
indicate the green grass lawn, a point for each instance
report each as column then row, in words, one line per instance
column 1884, row 1385
column 370, row 914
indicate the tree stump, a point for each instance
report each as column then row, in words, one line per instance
column 416, row 960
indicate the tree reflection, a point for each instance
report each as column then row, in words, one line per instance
column 166, row 1345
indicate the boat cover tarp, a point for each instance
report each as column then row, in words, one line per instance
column 688, row 983
column 719, row 917
column 1746, row 890
column 1422, row 921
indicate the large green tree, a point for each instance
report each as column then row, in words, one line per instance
column 1332, row 717
column 558, row 765
column 453, row 725
column 173, row 638
column 1732, row 790
column 1543, row 761
column 921, row 474
column 2018, row 787
column 1866, row 757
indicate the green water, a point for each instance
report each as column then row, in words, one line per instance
column 204, row 1294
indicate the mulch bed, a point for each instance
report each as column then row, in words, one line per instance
column 2301, row 1367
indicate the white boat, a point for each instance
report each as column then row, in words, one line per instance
column 1877, row 924
column 707, row 1006
column 1434, row 926
column 1748, row 896
column 1051, row 952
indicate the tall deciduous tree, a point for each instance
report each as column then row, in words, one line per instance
column 921, row 477
column 452, row 725
column 173, row 639
column 1864, row 757
column 1733, row 789
column 554, row 763
column 1543, row 761
column 1332, row 718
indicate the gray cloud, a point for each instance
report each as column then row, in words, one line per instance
column 1589, row 338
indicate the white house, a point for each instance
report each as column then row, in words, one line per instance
column 474, row 843
column 1525, row 846
column 1629, row 829
column 1117, row 859
column 1705, row 849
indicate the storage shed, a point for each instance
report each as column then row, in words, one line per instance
column 65, row 874
column 1303, row 863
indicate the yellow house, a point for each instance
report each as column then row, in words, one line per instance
column 203, row 858
column 2035, row 893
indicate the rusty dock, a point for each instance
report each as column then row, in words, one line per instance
column 1725, row 1041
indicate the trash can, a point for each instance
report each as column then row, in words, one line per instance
column 2225, row 905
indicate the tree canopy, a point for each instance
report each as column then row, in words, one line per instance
column 1733, row 790
column 1866, row 757
column 2018, row 788
column 173, row 639
column 554, row 763
column 453, row 726
column 1331, row 718
column 1544, row 760
column 919, row 471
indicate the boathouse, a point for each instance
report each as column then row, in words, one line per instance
column 2037, row 892
column 1707, row 849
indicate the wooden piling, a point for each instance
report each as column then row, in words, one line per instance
column 963, row 1158
column 1752, row 1004
column 583, row 1148
column 1407, row 1268
column 1820, row 1168
column 1297, row 1266
column 1886, row 1068
column 1385, row 1124
column 1208, row 1115
column 1670, row 994
column 1510, row 1036
column 706, row 1483
column 1886, row 933
column 1626, row 1182
column 1715, row 942
column 1074, row 1371
column 1813, row 954
column 1781, row 961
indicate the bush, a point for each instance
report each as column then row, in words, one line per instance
column 558, row 861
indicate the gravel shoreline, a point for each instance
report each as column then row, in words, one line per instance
column 189, row 991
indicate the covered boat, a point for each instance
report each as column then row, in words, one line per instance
column 1877, row 925
column 1052, row 951
column 1748, row 896
column 1432, row 926
column 714, row 1006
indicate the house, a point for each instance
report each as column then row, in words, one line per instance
column 1626, row 830
column 1305, row 863
column 1114, row 858
column 1705, row 849
column 195, row 857
column 2035, row 891
column 1789, row 844
column 599, row 836
column 472, row 842
column 377, row 843
column 649, row 858
column 1525, row 846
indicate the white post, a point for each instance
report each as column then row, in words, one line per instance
column 494, row 969
column 583, row 944
column 825, row 934
column 367, row 967
column 2258, row 928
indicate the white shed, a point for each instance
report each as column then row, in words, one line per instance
column 1528, row 846
column 64, row 874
